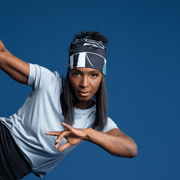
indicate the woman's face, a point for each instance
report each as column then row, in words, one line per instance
column 85, row 82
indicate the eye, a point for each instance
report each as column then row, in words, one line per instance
column 76, row 74
column 94, row 75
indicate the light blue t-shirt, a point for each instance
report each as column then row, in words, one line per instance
column 42, row 113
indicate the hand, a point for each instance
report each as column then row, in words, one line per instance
column 72, row 135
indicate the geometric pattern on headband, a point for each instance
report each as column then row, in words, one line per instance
column 89, row 60
column 86, row 42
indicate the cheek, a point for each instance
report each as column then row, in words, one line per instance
column 96, row 85
column 74, row 86
column 72, row 83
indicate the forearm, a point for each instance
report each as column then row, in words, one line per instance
column 13, row 66
column 116, row 145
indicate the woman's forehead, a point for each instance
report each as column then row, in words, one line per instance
column 85, row 69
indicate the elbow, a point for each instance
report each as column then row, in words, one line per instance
column 127, row 152
column 133, row 151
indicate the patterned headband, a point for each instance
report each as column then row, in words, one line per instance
column 88, row 53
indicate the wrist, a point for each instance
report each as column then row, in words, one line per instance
column 88, row 132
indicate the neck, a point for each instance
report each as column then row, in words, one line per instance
column 84, row 104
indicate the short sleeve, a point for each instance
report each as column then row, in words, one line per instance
column 110, row 125
column 39, row 76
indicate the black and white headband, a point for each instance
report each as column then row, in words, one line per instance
column 88, row 53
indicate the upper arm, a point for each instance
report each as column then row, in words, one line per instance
column 13, row 66
column 41, row 77
column 116, row 132
column 119, row 133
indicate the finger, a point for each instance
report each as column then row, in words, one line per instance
column 54, row 133
column 67, row 126
column 64, row 146
column 60, row 137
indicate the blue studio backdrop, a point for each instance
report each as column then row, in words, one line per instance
column 143, row 77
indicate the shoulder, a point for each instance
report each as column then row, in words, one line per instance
column 40, row 76
column 110, row 125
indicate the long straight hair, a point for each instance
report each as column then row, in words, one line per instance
column 68, row 100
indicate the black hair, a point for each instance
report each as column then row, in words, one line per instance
column 95, row 35
column 68, row 97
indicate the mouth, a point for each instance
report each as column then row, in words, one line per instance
column 81, row 93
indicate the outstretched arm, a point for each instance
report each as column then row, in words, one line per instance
column 13, row 66
column 114, row 141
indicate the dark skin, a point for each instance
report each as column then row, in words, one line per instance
column 85, row 82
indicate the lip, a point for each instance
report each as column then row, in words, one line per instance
column 83, row 93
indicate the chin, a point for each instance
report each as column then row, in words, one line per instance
column 84, row 98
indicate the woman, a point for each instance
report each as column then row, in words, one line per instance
column 59, row 114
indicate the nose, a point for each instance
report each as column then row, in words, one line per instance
column 84, row 82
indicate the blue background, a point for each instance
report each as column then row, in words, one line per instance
column 143, row 77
